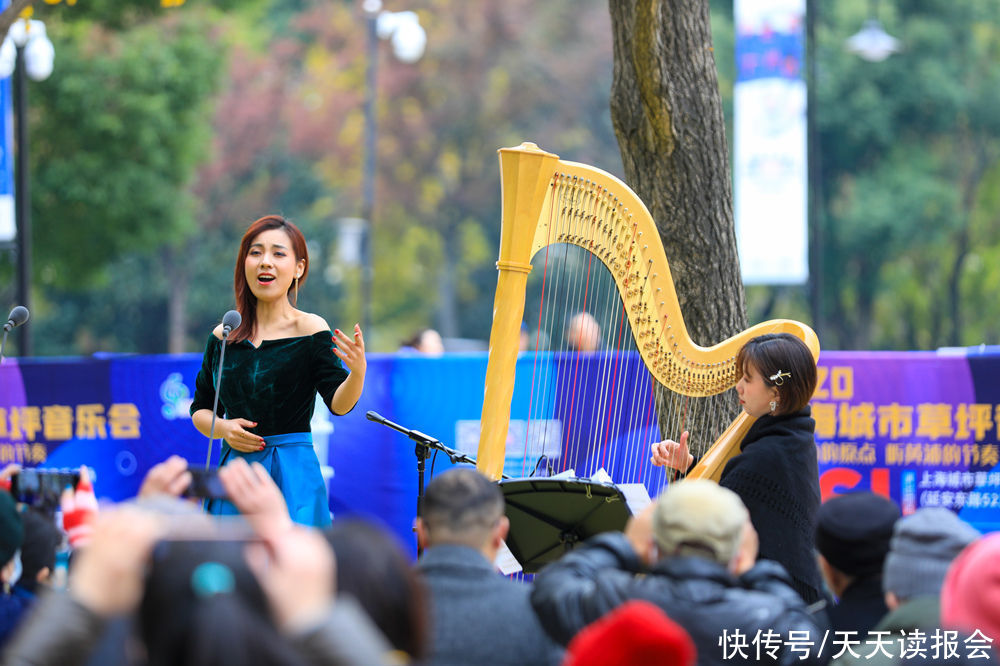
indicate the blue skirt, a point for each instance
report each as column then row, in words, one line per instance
column 292, row 463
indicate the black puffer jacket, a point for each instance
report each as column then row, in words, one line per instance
column 697, row 593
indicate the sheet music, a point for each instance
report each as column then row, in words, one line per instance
column 636, row 496
column 505, row 561
column 601, row 476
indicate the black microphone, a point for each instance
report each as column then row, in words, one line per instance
column 230, row 320
column 17, row 316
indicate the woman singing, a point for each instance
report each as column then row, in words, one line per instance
column 775, row 474
column 275, row 362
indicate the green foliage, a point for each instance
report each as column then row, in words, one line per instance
column 115, row 139
column 904, row 145
column 163, row 132
column 116, row 134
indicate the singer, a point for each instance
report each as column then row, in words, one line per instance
column 276, row 360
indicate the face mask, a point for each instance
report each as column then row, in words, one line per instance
column 15, row 574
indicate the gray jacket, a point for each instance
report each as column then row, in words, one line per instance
column 479, row 616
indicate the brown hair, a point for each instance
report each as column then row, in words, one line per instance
column 782, row 352
column 246, row 302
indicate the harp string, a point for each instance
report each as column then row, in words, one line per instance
column 606, row 401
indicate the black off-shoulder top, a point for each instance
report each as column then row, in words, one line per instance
column 274, row 385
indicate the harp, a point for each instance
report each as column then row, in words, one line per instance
column 551, row 207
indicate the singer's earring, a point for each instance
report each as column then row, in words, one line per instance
column 774, row 405
column 296, row 290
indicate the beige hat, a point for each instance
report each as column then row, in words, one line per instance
column 699, row 517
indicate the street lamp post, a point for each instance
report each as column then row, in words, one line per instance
column 27, row 53
column 873, row 44
column 408, row 40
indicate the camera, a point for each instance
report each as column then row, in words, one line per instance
column 43, row 487
column 205, row 484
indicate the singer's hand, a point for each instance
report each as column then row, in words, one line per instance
column 235, row 432
column 672, row 454
column 351, row 351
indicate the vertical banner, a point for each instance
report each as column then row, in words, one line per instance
column 769, row 148
column 8, row 230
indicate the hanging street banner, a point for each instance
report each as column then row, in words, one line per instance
column 770, row 180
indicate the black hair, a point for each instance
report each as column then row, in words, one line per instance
column 372, row 568
column 785, row 363
column 203, row 607
column 41, row 541
column 462, row 500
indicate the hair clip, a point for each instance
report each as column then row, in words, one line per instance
column 779, row 377
column 211, row 578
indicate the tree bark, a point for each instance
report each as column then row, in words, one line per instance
column 177, row 300
column 667, row 114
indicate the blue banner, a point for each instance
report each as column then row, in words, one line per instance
column 919, row 427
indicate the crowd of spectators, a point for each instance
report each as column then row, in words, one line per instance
column 157, row 581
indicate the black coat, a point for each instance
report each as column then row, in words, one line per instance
column 777, row 477
column 697, row 593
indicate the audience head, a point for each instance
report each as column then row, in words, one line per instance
column 637, row 632
column 785, row 364
column 38, row 553
column 199, row 591
column 923, row 545
column 463, row 507
column 524, row 339
column 372, row 568
column 583, row 333
column 425, row 341
column 970, row 596
column 700, row 518
column 11, row 535
column 852, row 536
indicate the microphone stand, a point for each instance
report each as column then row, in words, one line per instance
column 424, row 444
column 215, row 402
column 3, row 343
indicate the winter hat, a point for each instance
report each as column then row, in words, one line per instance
column 923, row 546
column 637, row 632
column 970, row 596
column 701, row 518
column 853, row 532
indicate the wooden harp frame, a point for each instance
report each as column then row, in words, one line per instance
column 609, row 220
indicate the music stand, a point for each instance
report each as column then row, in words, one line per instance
column 549, row 516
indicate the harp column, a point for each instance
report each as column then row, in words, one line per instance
column 525, row 175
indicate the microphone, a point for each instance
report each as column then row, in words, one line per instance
column 376, row 417
column 17, row 316
column 230, row 320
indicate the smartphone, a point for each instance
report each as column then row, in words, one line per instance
column 205, row 484
column 42, row 487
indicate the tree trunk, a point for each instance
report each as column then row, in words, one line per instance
column 447, row 312
column 177, row 298
column 667, row 114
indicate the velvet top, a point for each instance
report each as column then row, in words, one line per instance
column 274, row 385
